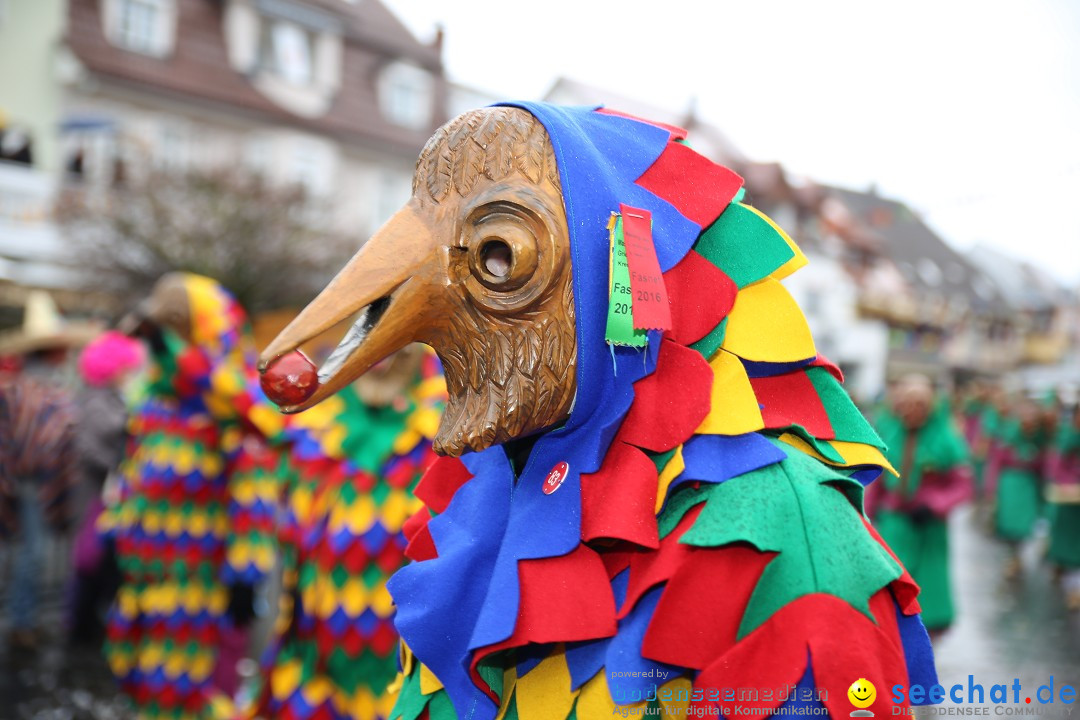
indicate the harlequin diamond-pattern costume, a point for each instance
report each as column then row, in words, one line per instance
column 696, row 525
column 194, row 525
column 334, row 650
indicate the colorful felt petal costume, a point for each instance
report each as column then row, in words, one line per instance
column 334, row 650
column 705, row 531
column 195, row 519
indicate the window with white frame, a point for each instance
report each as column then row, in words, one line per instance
column 287, row 50
column 406, row 95
column 142, row 26
column 311, row 166
column 173, row 151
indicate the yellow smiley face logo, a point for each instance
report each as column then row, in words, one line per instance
column 862, row 693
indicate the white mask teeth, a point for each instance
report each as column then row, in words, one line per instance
column 355, row 335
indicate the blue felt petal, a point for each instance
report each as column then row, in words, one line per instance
column 767, row 369
column 630, row 677
column 918, row 655
column 439, row 600
column 804, row 702
column 866, row 475
column 619, row 585
column 716, row 458
column 585, row 659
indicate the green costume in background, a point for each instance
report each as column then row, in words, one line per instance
column 910, row 512
column 1063, row 470
column 1018, row 457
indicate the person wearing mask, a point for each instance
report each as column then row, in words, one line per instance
column 911, row 511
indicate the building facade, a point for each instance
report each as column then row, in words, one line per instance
column 334, row 95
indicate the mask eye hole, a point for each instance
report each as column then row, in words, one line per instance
column 497, row 258
column 508, row 257
column 502, row 246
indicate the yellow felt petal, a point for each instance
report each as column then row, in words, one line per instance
column 267, row 419
column 853, row 453
column 362, row 704
column 407, row 657
column 201, row 666
column 381, row 601
column 544, row 693
column 594, row 700
column 361, row 515
column 671, row 471
column 674, row 697
column 804, row 447
column 428, row 682
column 861, row 454
column 734, row 407
column 354, row 597
column 395, row 510
column 509, row 683
column 766, row 325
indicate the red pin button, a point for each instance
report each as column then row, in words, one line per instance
column 555, row 478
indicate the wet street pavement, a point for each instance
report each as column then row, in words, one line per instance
column 57, row 681
column 1005, row 630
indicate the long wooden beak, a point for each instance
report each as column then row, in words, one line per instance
column 378, row 283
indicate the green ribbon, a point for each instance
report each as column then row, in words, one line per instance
column 620, row 319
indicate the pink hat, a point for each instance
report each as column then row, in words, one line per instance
column 107, row 356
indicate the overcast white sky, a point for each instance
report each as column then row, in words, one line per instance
column 968, row 111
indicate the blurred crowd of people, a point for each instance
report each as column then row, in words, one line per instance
column 186, row 497
column 1015, row 455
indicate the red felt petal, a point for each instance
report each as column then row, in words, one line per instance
column 619, row 499
column 618, row 559
column 791, row 399
column 677, row 133
column 701, row 296
column 698, row 616
column 563, row 599
column 415, row 522
column 697, row 187
column 422, row 546
column 441, row 481
column 904, row 587
column 844, row 645
column 669, row 404
column 823, row 362
column 649, row 569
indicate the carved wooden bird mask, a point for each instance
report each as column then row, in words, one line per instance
column 476, row 265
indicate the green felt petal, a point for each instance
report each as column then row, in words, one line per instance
column 802, row 511
column 440, row 707
column 660, row 460
column 847, row 422
column 744, row 245
column 679, row 504
column 410, row 702
column 511, row 709
column 709, row 344
column 492, row 674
